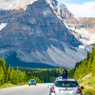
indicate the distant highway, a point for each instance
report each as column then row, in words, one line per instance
column 39, row 89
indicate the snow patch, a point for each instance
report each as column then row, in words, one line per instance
column 3, row 50
column 92, row 38
column 82, row 31
column 85, row 37
column 81, row 47
column 3, row 25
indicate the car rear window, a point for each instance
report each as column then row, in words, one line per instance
column 32, row 80
column 66, row 84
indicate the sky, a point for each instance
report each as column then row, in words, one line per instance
column 80, row 8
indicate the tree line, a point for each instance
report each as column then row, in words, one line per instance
column 16, row 75
column 9, row 75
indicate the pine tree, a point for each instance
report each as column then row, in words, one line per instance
column 3, row 69
column 12, row 76
column 17, row 77
column 2, row 76
column 8, row 74
column 93, row 63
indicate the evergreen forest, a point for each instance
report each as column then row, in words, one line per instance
column 20, row 75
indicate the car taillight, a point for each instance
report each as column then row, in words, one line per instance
column 79, row 91
column 52, row 90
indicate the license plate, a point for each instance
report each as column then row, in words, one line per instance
column 67, row 92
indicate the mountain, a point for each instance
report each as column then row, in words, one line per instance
column 38, row 34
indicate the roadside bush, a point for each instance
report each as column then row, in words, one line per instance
column 88, row 93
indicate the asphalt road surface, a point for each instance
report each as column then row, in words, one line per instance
column 39, row 89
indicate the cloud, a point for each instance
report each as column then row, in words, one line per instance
column 85, row 10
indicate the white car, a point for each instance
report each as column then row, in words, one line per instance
column 65, row 87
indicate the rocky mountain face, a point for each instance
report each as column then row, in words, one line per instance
column 83, row 29
column 88, row 24
column 60, row 10
column 39, row 34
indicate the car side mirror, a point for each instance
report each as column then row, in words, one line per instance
column 49, row 86
column 82, row 87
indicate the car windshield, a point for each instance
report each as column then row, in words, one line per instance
column 32, row 81
column 66, row 84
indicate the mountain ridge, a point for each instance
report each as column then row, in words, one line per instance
column 37, row 34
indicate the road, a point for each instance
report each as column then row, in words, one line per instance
column 39, row 89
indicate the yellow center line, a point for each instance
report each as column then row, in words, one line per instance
column 24, row 90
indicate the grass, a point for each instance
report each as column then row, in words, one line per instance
column 6, row 85
column 89, row 85
column 88, row 91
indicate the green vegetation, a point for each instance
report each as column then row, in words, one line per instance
column 85, row 73
column 10, row 76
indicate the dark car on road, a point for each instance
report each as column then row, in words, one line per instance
column 32, row 82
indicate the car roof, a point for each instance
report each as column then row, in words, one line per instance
column 68, row 79
column 32, row 79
